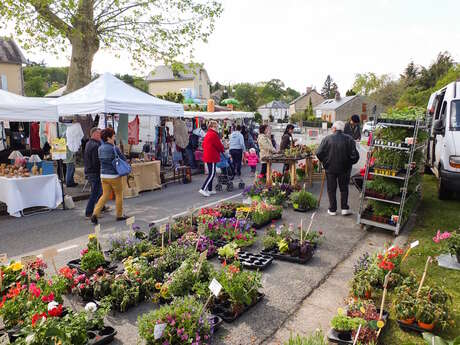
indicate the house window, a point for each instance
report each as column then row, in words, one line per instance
column 201, row 91
column 4, row 82
column 364, row 108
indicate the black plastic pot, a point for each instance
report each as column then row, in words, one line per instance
column 101, row 337
column 226, row 313
column 286, row 257
column 254, row 261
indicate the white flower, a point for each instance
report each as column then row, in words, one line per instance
column 52, row 305
column 91, row 307
column 30, row 338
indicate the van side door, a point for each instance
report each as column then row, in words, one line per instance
column 440, row 138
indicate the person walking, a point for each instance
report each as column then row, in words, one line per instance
column 352, row 128
column 287, row 141
column 237, row 147
column 70, row 169
column 338, row 153
column 252, row 159
column 265, row 145
column 212, row 148
column 93, row 169
column 111, row 181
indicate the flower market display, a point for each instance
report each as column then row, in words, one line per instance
column 395, row 164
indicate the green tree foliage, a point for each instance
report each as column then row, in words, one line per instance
column 246, row 94
column 137, row 82
column 291, row 95
column 258, row 117
column 40, row 80
column 175, row 97
column 150, row 30
column 272, row 90
column 350, row 92
column 329, row 89
column 366, row 83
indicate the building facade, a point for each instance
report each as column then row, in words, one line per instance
column 11, row 61
column 276, row 109
column 193, row 83
column 300, row 104
column 342, row 108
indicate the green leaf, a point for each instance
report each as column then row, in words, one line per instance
column 428, row 337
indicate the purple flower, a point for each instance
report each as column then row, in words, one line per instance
column 136, row 227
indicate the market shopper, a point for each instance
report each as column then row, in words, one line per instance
column 265, row 145
column 338, row 153
column 237, row 147
column 287, row 141
column 111, row 181
column 93, row 169
column 212, row 148
column 252, row 159
column 352, row 128
column 70, row 169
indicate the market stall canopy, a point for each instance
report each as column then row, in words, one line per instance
column 108, row 94
column 26, row 109
column 220, row 115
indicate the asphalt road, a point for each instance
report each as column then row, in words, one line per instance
column 286, row 285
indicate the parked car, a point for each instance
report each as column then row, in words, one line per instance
column 443, row 156
column 297, row 129
column 368, row 127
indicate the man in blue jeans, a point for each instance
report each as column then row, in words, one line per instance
column 93, row 169
column 237, row 148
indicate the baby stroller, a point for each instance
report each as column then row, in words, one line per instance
column 227, row 174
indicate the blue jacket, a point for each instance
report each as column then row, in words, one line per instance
column 106, row 156
column 237, row 141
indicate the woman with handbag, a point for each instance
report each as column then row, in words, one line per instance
column 113, row 167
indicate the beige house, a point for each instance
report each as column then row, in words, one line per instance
column 11, row 61
column 342, row 108
column 302, row 102
column 194, row 83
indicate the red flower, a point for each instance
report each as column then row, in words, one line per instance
column 55, row 312
column 14, row 291
column 2, row 302
column 35, row 290
column 49, row 298
column 37, row 317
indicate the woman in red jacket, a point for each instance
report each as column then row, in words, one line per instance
column 212, row 148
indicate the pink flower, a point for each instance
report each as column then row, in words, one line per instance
column 35, row 290
column 84, row 251
column 444, row 236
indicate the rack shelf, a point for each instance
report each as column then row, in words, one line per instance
column 383, row 200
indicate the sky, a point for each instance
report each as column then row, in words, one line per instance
column 302, row 41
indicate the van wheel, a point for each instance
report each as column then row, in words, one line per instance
column 443, row 192
column 366, row 133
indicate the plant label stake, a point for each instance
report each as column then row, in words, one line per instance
column 97, row 232
column 190, row 211
column 385, row 288
column 412, row 245
column 202, row 258
column 162, row 232
column 4, row 339
column 159, row 330
column 215, row 288
column 357, row 335
column 129, row 222
column 428, row 261
column 26, row 261
column 311, row 223
column 50, row 254
column 169, row 228
column 301, row 231
column 3, row 259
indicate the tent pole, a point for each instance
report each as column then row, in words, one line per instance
column 60, row 168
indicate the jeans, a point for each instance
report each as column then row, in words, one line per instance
column 343, row 181
column 70, row 171
column 190, row 157
column 207, row 185
column 237, row 156
column 263, row 169
column 96, row 192
column 110, row 185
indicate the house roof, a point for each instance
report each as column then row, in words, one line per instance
column 274, row 105
column 332, row 104
column 165, row 73
column 304, row 95
column 10, row 52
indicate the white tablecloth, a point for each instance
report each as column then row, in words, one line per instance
column 20, row 193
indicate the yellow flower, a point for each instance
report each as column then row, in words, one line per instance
column 91, row 237
column 17, row 266
column 158, row 286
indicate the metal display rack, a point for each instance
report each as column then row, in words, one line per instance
column 410, row 172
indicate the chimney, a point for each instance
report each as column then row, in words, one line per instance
column 308, row 89
column 337, row 96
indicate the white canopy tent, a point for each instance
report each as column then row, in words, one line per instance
column 26, row 109
column 108, row 94
column 220, row 115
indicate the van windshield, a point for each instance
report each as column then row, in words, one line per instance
column 455, row 116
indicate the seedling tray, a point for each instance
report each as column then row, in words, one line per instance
column 101, row 337
column 333, row 335
column 226, row 314
column 286, row 257
column 109, row 266
column 412, row 327
column 254, row 261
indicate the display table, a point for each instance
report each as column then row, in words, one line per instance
column 144, row 176
column 292, row 162
column 24, row 192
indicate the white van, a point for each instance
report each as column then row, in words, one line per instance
column 444, row 144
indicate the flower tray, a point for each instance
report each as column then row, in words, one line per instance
column 298, row 209
column 227, row 315
column 286, row 257
column 219, row 243
column 412, row 327
column 101, row 337
column 254, row 261
column 109, row 266
column 334, row 337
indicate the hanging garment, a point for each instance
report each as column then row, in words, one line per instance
column 181, row 133
column 122, row 130
column 74, row 135
column 34, row 136
column 133, row 131
column 86, row 122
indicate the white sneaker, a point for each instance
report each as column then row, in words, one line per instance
column 346, row 212
column 204, row 193
column 331, row 213
column 211, row 192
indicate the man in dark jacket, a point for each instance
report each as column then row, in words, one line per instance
column 93, row 169
column 338, row 153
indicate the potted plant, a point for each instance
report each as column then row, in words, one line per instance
column 426, row 314
column 405, row 308
column 344, row 325
column 92, row 260
column 228, row 253
column 361, row 285
column 303, row 201
column 451, row 242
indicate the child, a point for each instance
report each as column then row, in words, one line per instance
column 252, row 159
